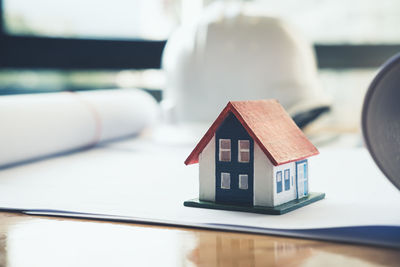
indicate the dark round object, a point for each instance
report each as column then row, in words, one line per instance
column 381, row 119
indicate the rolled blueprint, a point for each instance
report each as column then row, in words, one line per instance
column 38, row 125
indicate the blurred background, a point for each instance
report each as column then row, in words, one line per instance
column 59, row 45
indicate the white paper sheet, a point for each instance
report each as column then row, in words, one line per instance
column 149, row 181
column 38, row 125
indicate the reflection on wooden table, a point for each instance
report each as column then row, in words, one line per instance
column 45, row 241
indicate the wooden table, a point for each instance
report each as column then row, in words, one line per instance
column 48, row 241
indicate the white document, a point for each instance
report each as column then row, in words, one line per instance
column 38, row 125
column 142, row 181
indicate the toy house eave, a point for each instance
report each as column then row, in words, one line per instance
column 230, row 107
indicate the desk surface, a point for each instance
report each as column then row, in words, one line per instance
column 46, row 241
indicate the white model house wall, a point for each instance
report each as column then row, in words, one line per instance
column 207, row 172
column 265, row 184
column 284, row 195
column 263, row 179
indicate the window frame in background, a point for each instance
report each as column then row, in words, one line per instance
column 35, row 52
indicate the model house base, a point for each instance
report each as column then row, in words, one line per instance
column 277, row 210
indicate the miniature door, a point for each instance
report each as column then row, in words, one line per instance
column 234, row 163
column 302, row 178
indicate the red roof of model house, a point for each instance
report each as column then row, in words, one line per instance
column 270, row 126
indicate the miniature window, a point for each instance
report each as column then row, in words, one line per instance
column 286, row 175
column 291, row 180
column 225, row 150
column 305, row 180
column 279, row 182
column 244, row 150
column 305, row 172
column 225, row 180
column 243, row 181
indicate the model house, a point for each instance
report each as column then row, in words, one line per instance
column 253, row 155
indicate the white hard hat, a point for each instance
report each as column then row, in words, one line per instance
column 232, row 55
